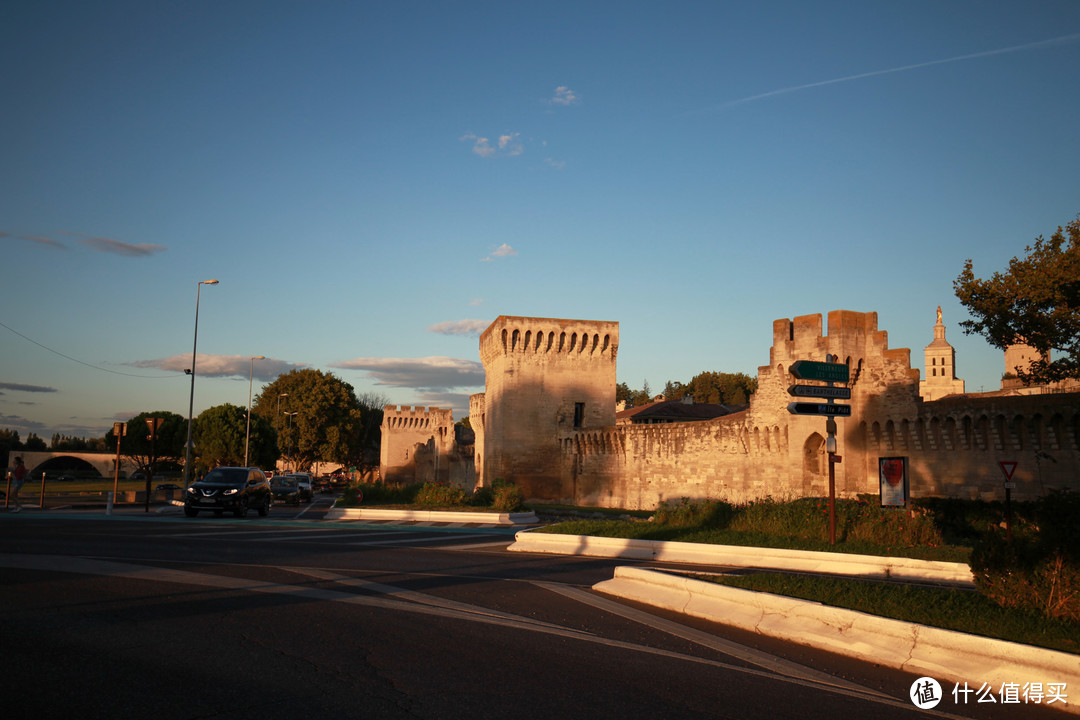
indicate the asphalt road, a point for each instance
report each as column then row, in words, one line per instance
column 164, row 617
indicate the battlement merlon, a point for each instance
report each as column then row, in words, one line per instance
column 403, row 416
column 555, row 337
column 851, row 334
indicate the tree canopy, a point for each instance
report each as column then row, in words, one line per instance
column 1036, row 302
column 221, row 433
column 328, row 424
column 168, row 443
column 717, row 388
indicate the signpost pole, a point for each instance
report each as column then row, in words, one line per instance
column 1008, row 467
column 828, row 372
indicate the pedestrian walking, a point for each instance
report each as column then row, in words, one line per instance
column 18, row 478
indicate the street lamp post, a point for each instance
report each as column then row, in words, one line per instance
column 290, row 416
column 191, row 401
column 247, row 437
column 277, row 425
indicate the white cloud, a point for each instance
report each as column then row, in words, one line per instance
column 460, row 327
column 507, row 145
column 510, row 145
column 503, row 250
column 432, row 374
column 264, row 370
column 557, row 164
column 564, row 96
column 481, row 145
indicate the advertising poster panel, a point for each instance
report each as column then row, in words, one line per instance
column 893, row 479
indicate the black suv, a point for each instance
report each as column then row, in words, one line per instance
column 236, row 489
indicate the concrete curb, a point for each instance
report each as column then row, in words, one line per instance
column 944, row 655
column 486, row 518
column 867, row 566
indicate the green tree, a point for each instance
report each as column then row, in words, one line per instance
column 1037, row 302
column 221, row 433
column 168, row 443
column 34, row 443
column 9, row 441
column 329, row 421
column 721, row 388
column 371, row 417
column 623, row 393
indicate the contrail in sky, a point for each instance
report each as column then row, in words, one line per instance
column 1027, row 46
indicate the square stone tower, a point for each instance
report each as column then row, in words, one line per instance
column 941, row 377
column 546, row 380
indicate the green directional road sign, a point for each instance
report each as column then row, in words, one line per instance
column 813, row 370
column 820, row 391
column 811, row 408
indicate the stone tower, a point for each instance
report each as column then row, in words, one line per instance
column 546, row 380
column 940, row 356
column 417, row 444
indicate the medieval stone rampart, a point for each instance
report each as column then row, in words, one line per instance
column 417, row 444
column 953, row 445
column 547, row 423
column 545, row 380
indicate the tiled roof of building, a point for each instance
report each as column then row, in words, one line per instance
column 675, row 411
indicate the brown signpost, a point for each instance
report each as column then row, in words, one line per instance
column 827, row 372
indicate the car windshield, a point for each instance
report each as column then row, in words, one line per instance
column 284, row 482
column 227, row 476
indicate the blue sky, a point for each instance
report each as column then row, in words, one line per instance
column 374, row 183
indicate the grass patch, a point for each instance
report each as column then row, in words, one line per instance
column 960, row 610
column 502, row 497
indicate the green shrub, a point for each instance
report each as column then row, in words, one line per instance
column 482, row 497
column 507, row 498
column 887, row 526
column 806, row 518
column 1039, row 568
column 694, row 513
column 383, row 494
column 440, row 494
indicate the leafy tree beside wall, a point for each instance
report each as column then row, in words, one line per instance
column 1037, row 302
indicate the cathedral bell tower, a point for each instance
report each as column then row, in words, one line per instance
column 940, row 378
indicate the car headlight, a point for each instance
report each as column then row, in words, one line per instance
column 230, row 491
column 191, row 490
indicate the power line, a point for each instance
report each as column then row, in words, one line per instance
column 76, row 360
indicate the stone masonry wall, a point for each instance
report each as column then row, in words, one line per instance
column 953, row 445
column 417, row 444
column 546, row 379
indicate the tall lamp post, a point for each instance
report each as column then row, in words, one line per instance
column 289, row 456
column 277, row 425
column 247, row 437
column 191, row 401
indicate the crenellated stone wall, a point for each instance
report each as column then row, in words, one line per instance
column 417, row 445
column 953, row 445
column 547, row 423
column 546, row 380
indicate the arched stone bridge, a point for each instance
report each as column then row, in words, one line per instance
column 38, row 462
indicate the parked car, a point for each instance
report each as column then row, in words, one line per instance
column 285, row 489
column 237, row 489
column 306, row 485
column 161, row 487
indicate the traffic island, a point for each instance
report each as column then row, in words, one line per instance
column 944, row 655
column 445, row 516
